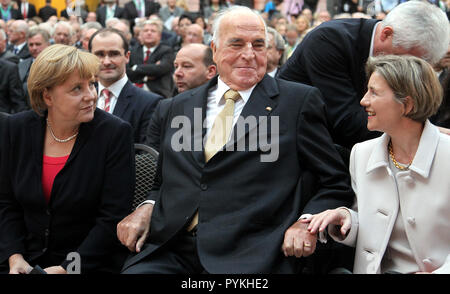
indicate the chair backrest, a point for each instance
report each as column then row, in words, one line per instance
column 146, row 159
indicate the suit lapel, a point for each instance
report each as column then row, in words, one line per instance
column 37, row 140
column 196, row 114
column 123, row 100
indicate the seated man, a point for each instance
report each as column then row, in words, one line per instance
column 211, row 210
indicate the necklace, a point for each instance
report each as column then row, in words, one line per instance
column 57, row 139
column 392, row 156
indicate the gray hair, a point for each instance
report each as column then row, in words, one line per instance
column 66, row 25
column 39, row 31
column 420, row 24
column 409, row 76
column 233, row 9
column 279, row 41
column 21, row 26
column 91, row 25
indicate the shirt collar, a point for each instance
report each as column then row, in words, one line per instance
column 222, row 88
column 145, row 48
column 115, row 88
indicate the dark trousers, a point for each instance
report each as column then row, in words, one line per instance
column 178, row 256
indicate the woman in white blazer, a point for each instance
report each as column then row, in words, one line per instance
column 400, row 221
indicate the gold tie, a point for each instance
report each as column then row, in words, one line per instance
column 220, row 132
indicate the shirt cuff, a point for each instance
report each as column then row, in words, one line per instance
column 322, row 236
column 146, row 202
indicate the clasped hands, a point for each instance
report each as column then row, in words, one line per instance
column 301, row 238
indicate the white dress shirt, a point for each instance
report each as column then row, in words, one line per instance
column 115, row 90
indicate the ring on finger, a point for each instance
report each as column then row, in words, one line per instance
column 306, row 244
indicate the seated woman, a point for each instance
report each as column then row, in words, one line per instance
column 67, row 172
column 400, row 221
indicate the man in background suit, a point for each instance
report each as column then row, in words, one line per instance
column 18, row 39
column 209, row 209
column 5, row 54
column 38, row 40
column 275, row 52
column 333, row 56
column 11, row 93
column 151, row 64
column 117, row 95
column 27, row 9
column 108, row 10
column 47, row 11
column 139, row 9
column 8, row 12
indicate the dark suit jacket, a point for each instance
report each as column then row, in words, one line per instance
column 12, row 99
column 90, row 195
column 332, row 58
column 23, row 53
column 136, row 106
column 101, row 14
column 9, row 56
column 245, row 204
column 31, row 11
column 159, row 75
column 130, row 12
column 46, row 11
column 24, row 71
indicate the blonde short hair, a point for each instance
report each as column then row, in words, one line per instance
column 410, row 76
column 53, row 66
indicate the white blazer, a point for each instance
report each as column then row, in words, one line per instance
column 425, row 204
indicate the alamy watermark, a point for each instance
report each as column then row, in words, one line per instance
column 257, row 134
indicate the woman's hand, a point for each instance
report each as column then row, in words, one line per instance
column 55, row 270
column 338, row 216
column 18, row 265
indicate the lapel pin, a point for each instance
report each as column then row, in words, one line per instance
column 268, row 108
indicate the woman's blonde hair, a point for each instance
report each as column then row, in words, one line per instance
column 410, row 76
column 53, row 66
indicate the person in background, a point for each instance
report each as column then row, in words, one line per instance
column 67, row 172
column 400, row 219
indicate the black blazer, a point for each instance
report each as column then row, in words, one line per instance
column 159, row 69
column 90, row 195
column 9, row 56
column 23, row 53
column 136, row 106
column 101, row 14
column 12, row 98
column 31, row 10
column 332, row 58
column 46, row 11
column 245, row 203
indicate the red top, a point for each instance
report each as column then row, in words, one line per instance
column 50, row 168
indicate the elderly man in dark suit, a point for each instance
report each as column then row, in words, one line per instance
column 27, row 9
column 333, row 56
column 47, row 11
column 18, row 39
column 11, row 93
column 117, row 95
column 233, row 204
column 151, row 64
column 140, row 9
column 5, row 54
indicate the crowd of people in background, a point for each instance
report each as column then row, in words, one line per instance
column 149, row 51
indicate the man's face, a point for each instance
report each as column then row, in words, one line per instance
column 14, row 35
column 241, row 55
column 150, row 35
column 5, row 2
column 85, row 37
column 194, row 34
column 113, row 58
column 92, row 16
column 61, row 35
column 36, row 44
column 273, row 54
column 190, row 71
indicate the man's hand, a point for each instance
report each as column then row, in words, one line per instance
column 298, row 240
column 18, row 265
column 59, row 270
column 133, row 230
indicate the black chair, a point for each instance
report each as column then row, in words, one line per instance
column 146, row 159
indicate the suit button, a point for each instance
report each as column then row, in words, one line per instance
column 411, row 220
column 203, row 186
